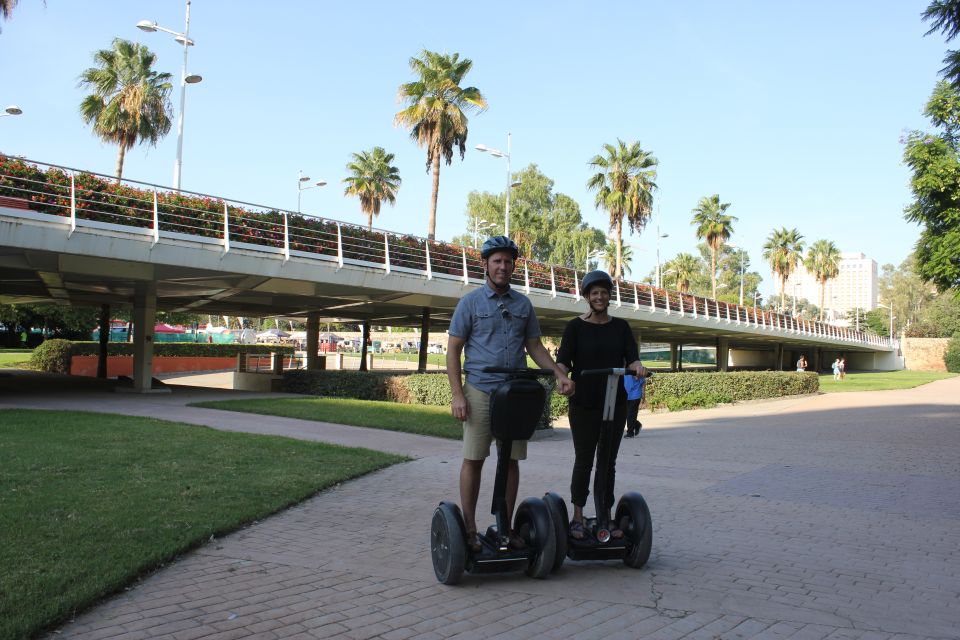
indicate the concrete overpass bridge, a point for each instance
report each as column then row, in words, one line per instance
column 78, row 238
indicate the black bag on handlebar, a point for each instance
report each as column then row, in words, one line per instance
column 515, row 409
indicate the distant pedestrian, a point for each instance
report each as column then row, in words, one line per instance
column 843, row 368
column 836, row 369
column 802, row 364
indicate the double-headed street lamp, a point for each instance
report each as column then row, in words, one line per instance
column 302, row 180
column 496, row 153
column 185, row 79
column 12, row 110
column 478, row 226
column 594, row 255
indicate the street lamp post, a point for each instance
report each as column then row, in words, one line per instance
column 300, row 188
column 496, row 153
column 890, row 306
column 478, row 226
column 185, row 79
column 756, row 295
column 742, row 256
column 593, row 255
column 11, row 110
column 659, row 236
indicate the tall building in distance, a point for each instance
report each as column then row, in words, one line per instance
column 854, row 287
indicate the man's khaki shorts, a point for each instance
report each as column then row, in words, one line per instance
column 476, row 428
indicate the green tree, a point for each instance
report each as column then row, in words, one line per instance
column 823, row 261
column 610, row 257
column 934, row 160
column 782, row 250
column 130, row 102
column 434, row 112
column 945, row 15
column 714, row 226
column 951, row 357
column 548, row 226
column 683, row 268
column 372, row 179
column 624, row 182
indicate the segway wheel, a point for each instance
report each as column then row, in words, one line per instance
column 633, row 516
column 535, row 526
column 448, row 546
column 558, row 513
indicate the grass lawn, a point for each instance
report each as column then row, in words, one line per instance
column 409, row 418
column 14, row 358
column 880, row 380
column 89, row 502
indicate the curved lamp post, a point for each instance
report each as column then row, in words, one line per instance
column 496, row 153
column 185, row 79
column 301, row 188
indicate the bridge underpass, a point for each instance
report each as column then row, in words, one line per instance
column 148, row 259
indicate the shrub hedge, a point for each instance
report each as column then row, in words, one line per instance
column 52, row 356
column 951, row 357
column 673, row 391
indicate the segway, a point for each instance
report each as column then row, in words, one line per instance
column 515, row 410
column 632, row 514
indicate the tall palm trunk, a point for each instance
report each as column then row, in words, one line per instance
column 432, row 225
column 618, row 268
column 823, row 288
column 123, row 152
column 713, row 271
column 783, row 292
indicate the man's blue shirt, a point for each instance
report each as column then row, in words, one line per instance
column 494, row 328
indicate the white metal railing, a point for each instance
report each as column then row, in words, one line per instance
column 92, row 199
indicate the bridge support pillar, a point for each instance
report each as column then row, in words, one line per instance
column 814, row 361
column 313, row 340
column 723, row 354
column 674, row 356
column 778, row 357
column 144, row 320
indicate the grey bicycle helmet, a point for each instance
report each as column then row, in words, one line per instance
column 499, row 243
column 595, row 277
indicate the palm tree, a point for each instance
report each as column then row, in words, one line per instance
column 714, row 226
column 626, row 254
column 945, row 15
column 684, row 267
column 624, row 183
column 435, row 112
column 373, row 179
column 823, row 261
column 783, row 250
column 130, row 101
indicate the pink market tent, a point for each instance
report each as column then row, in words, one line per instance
column 162, row 327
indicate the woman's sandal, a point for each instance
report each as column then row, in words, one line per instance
column 516, row 541
column 577, row 530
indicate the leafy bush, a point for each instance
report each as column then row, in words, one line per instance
column 694, row 400
column 730, row 386
column 52, row 356
column 951, row 357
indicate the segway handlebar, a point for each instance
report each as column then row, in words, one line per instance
column 613, row 371
column 526, row 371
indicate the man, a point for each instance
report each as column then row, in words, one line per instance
column 492, row 325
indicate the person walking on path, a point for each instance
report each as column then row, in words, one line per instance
column 634, row 387
column 802, row 364
column 836, row 369
column 493, row 326
column 595, row 340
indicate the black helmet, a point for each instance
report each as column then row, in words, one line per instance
column 595, row 277
column 499, row 243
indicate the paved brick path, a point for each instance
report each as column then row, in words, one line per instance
column 831, row 516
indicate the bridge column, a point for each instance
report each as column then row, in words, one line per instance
column 424, row 340
column 674, row 356
column 778, row 357
column 723, row 354
column 814, row 361
column 313, row 339
column 144, row 320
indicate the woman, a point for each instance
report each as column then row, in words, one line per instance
column 595, row 340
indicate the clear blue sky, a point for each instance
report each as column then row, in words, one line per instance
column 792, row 112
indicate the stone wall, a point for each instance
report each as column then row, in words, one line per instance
column 924, row 354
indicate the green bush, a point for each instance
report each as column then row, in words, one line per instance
column 951, row 357
column 730, row 386
column 52, row 356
